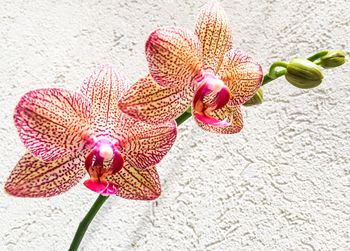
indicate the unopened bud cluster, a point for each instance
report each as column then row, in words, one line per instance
column 301, row 72
column 306, row 74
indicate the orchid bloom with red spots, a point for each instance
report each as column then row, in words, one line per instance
column 200, row 69
column 66, row 131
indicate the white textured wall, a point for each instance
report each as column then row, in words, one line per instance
column 281, row 184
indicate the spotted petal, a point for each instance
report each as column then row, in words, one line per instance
column 145, row 144
column 135, row 184
column 152, row 103
column 241, row 74
column 52, row 122
column 213, row 31
column 174, row 56
column 35, row 178
column 229, row 113
column 104, row 87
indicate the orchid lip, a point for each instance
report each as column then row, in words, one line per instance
column 211, row 95
column 212, row 121
column 102, row 187
column 102, row 161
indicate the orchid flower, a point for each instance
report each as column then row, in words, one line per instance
column 65, row 131
column 198, row 69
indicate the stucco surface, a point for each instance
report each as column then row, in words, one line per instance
column 281, row 184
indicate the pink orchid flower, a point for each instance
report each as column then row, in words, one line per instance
column 200, row 69
column 66, row 131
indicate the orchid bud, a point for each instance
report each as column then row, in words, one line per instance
column 257, row 99
column 332, row 59
column 303, row 73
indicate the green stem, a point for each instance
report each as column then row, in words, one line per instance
column 277, row 74
column 182, row 118
column 84, row 224
column 272, row 71
column 317, row 55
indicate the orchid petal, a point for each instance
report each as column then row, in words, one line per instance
column 226, row 120
column 52, row 122
column 136, row 184
column 35, row 178
column 147, row 144
column 104, row 87
column 174, row 57
column 241, row 74
column 152, row 103
column 213, row 31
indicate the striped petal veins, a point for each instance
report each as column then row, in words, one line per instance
column 52, row 122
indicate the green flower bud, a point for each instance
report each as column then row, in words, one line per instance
column 303, row 73
column 332, row 59
column 257, row 99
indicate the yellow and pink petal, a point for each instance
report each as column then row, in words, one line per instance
column 103, row 88
column 213, row 31
column 53, row 122
column 174, row 56
column 145, row 144
column 135, row 184
column 241, row 74
column 35, row 178
column 154, row 104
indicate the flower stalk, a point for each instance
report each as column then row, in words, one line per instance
column 183, row 117
column 272, row 71
column 84, row 224
column 272, row 75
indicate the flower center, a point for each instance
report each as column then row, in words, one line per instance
column 211, row 95
column 103, row 161
column 106, row 152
